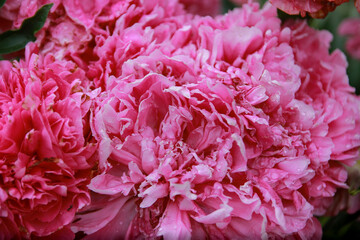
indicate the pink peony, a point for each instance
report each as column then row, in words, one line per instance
column 74, row 35
column 315, row 8
column 66, row 32
column 198, row 127
column 217, row 128
column 140, row 30
column 351, row 29
column 81, row 12
column 64, row 39
column 45, row 153
column 336, row 126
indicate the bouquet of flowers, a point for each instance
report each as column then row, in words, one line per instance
column 177, row 119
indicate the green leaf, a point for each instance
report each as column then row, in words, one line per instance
column 353, row 192
column 35, row 23
column 341, row 226
column 323, row 220
column 227, row 5
column 15, row 40
column 284, row 16
column 2, row 2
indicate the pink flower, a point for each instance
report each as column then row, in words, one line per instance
column 81, row 12
column 64, row 39
column 66, row 32
column 336, row 125
column 199, row 127
column 316, row 9
column 165, row 158
column 218, row 128
column 72, row 31
column 45, row 156
column 84, row 12
column 351, row 29
column 143, row 29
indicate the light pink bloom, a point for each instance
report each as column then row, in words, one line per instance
column 218, row 128
column 45, row 156
column 351, row 29
column 336, row 125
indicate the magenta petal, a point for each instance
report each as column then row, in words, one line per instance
column 216, row 217
column 98, row 216
column 84, row 12
column 153, row 193
column 175, row 224
column 110, row 185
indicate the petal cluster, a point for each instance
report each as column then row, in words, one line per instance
column 225, row 127
column 140, row 119
column 45, row 158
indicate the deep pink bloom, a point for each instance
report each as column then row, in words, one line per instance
column 65, row 33
column 226, row 127
column 315, row 8
column 45, row 156
column 71, row 31
column 143, row 28
column 218, row 128
column 81, row 12
column 351, row 29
